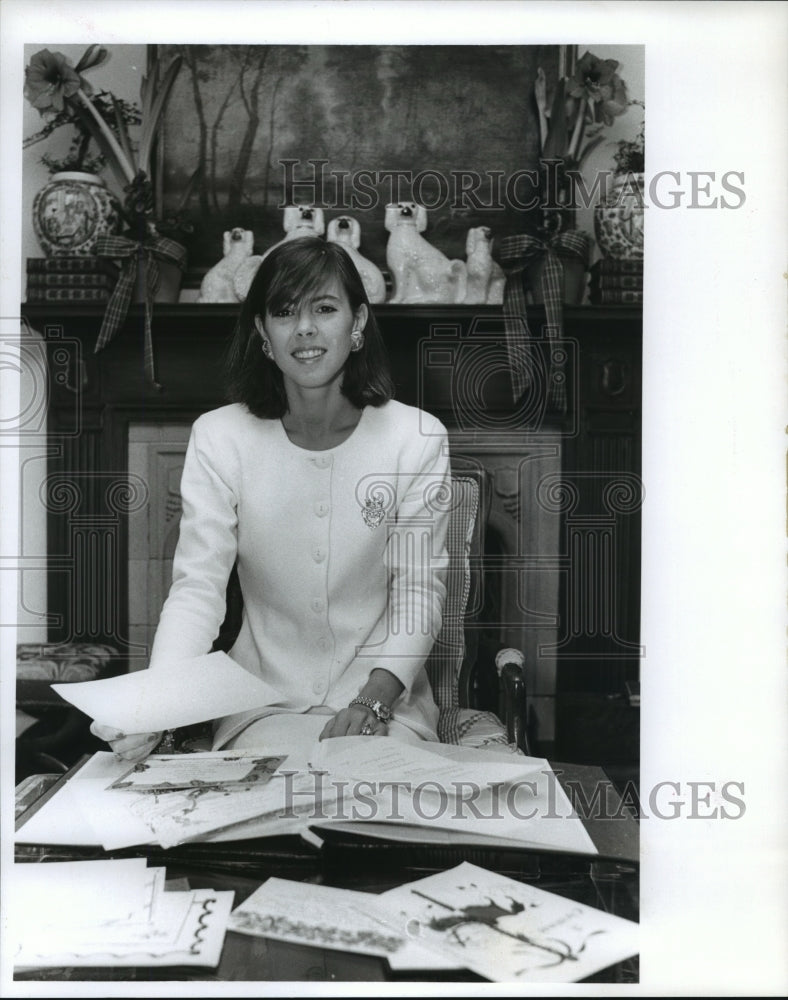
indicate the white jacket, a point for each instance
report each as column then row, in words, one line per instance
column 341, row 558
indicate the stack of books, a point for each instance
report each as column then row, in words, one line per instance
column 70, row 279
column 616, row 282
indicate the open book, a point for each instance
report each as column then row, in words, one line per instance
column 380, row 788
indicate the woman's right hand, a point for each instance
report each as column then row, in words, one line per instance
column 133, row 747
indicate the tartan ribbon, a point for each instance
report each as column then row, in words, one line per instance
column 517, row 253
column 140, row 265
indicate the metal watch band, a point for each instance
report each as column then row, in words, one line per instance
column 382, row 712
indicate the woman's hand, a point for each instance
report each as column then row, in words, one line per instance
column 133, row 747
column 354, row 720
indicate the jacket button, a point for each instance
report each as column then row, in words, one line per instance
column 318, row 555
column 323, row 643
column 318, row 605
column 321, row 508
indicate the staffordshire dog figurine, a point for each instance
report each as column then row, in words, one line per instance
column 420, row 272
column 346, row 231
column 486, row 278
column 299, row 220
column 217, row 285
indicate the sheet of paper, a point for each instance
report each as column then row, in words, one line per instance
column 43, row 893
column 186, row 692
column 198, row 770
column 508, row 931
column 186, row 928
column 395, row 760
column 82, row 812
column 327, row 917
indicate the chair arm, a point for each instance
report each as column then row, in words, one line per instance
column 512, row 707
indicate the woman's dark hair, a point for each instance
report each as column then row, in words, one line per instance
column 292, row 270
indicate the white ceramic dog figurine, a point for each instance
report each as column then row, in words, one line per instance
column 486, row 278
column 217, row 285
column 420, row 272
column 299, row 220
column 346, row 231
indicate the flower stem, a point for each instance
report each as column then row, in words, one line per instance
column 112, row 142
column 576, row 133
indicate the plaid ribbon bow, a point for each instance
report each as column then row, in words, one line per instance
column 140, row 264
column 517, row 253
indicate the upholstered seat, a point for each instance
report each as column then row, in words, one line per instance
column 456, row 661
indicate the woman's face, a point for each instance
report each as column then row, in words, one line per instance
column 311, row 339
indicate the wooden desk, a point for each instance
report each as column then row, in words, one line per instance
column 608, row 881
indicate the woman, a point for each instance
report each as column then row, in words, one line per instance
column 331, row 499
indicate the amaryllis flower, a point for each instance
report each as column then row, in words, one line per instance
column 614, row 102
column 593, row 78
column 50, row 79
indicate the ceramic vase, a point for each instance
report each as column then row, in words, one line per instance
column 618, row 222
column 71, row 211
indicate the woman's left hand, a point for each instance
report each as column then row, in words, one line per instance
column 355, row 720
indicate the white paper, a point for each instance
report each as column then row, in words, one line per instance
column 396, row 760
column 183, row 693
column 327, row 917
column 508, row 931
column 185, row 928
column 45, row 894
column 83, row 813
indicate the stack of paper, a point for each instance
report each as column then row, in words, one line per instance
column 63, row 915
column 465, row 918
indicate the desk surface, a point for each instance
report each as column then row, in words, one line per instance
column 608, row 881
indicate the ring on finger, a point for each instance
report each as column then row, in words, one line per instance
column 366, row 729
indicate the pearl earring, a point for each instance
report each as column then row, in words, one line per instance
column 267, row 350
column 356, row 340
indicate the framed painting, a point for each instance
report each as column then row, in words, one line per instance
column 250, row 129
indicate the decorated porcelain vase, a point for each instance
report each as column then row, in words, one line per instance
column 71, row 212
column 618, row 223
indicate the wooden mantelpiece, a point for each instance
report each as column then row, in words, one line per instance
column 560, row 480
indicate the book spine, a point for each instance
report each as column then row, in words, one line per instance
column 616, row 296
column 632, row 281
column 610, row 266
column 54, row 279
column 68, row 295
column 70, row 265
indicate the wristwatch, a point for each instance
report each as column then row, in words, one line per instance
column 382, row 712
